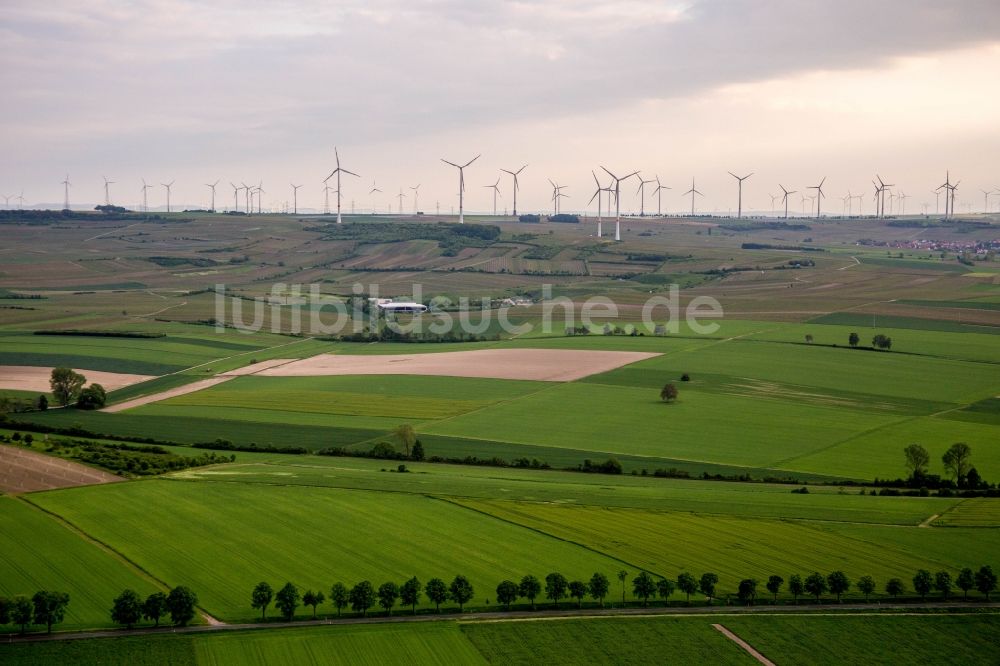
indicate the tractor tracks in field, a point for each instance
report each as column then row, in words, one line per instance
column 115, row 554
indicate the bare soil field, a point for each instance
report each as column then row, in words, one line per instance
column 550, row 365
column 23, row 471
column 36, row 378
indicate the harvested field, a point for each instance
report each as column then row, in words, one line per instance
column 36, row 378
column 551, row 365
column 23, row 471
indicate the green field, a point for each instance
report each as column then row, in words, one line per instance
column 39, row 553
column 220, row 539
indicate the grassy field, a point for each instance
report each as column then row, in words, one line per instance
column 667, row 543
column 604, row 641
column 429, row 643
column 887, row 639
column 211, row 537
column 37, row 552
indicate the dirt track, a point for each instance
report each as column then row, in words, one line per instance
column 552, row 365
column 23, row 471
column 36, row 378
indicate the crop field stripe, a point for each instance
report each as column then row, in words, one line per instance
column 537, row 530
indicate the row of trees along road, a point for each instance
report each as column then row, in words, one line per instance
column 44, row 607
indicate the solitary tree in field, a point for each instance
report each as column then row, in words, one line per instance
column 643, row 587
column 687, row 584
column 460, row 591
column 362, row 597
column 965, row 581
column 181, row 604
column 881, row 341
column 261, row 598
column 664, row 588
column 530, row 588
column 92, row 397
column 853, row 339
column 809, row 338
column 796, row 587
column 437, row 592
column 155, row 607
column 66, row 385
column 986, row 580
column 894, row 587
column 622, row 575
column 406, row 436
column 942, row 583
column 127, row 609
column 507, row 593
column 388, row 594
column 917, row 460
column 313, row 599
column 922, row 583
column 774, row 584
column 339, row 597
column 409, row 593
column 21, row 612
column 839, row 583
column 577, row 590
column 599, row 586
column 957, row 461
column 867, row 585
column 815, row 585
column 555, row 587
column 747, row 591
column 707, row 585
column 49, row 607
column 287, row 600
column 668, row 393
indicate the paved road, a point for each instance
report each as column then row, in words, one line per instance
column 499, row 616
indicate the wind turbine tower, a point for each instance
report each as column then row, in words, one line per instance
column 66, row 185
column 400, row 196
column 338, row 171
column 693, row 192
column 496, row 192
column 659, row 197
column 211, row 186
column 461, row 186
column 168, row 186
column 617, row 193
column 416, row 194
column 819, row 194
column 739, row 206
column 597, row 195
column 784, row 197
column 295, row 198
column 514, row 175
column 107, row 190
column 642, row 195
column 145, row 200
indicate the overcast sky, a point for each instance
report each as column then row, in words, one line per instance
column 248, row 91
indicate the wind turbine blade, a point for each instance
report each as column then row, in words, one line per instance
column 471, row 161
column 451, row 163
column 609, row 173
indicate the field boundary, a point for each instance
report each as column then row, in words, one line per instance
column 751, row 650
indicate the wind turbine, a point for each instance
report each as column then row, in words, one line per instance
column 496, row 192
column 338, row 171
column 642, row 195
column 6, row 200
column 416, row 194
column 236, row 197
column 145, row 200
column 739, row 207
column 107, row 191
column 295, row 198
column 819, row 194
column 212, row 187
column 401, row 196
column 659, row 196
column 692, row 192
column 618, row 192
column 372, row 192
column 461, row 186
column 773, row 197
column 260, row 190
column 902, row 202
column 66, row 185
column 556, row 194
column 953, row 189
column 20, row 200
column 246, row 197
column 784, row 198
column 326, row 199
column 986, row 200
column 861, row 205
column 168, row 186
column 514, row 175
